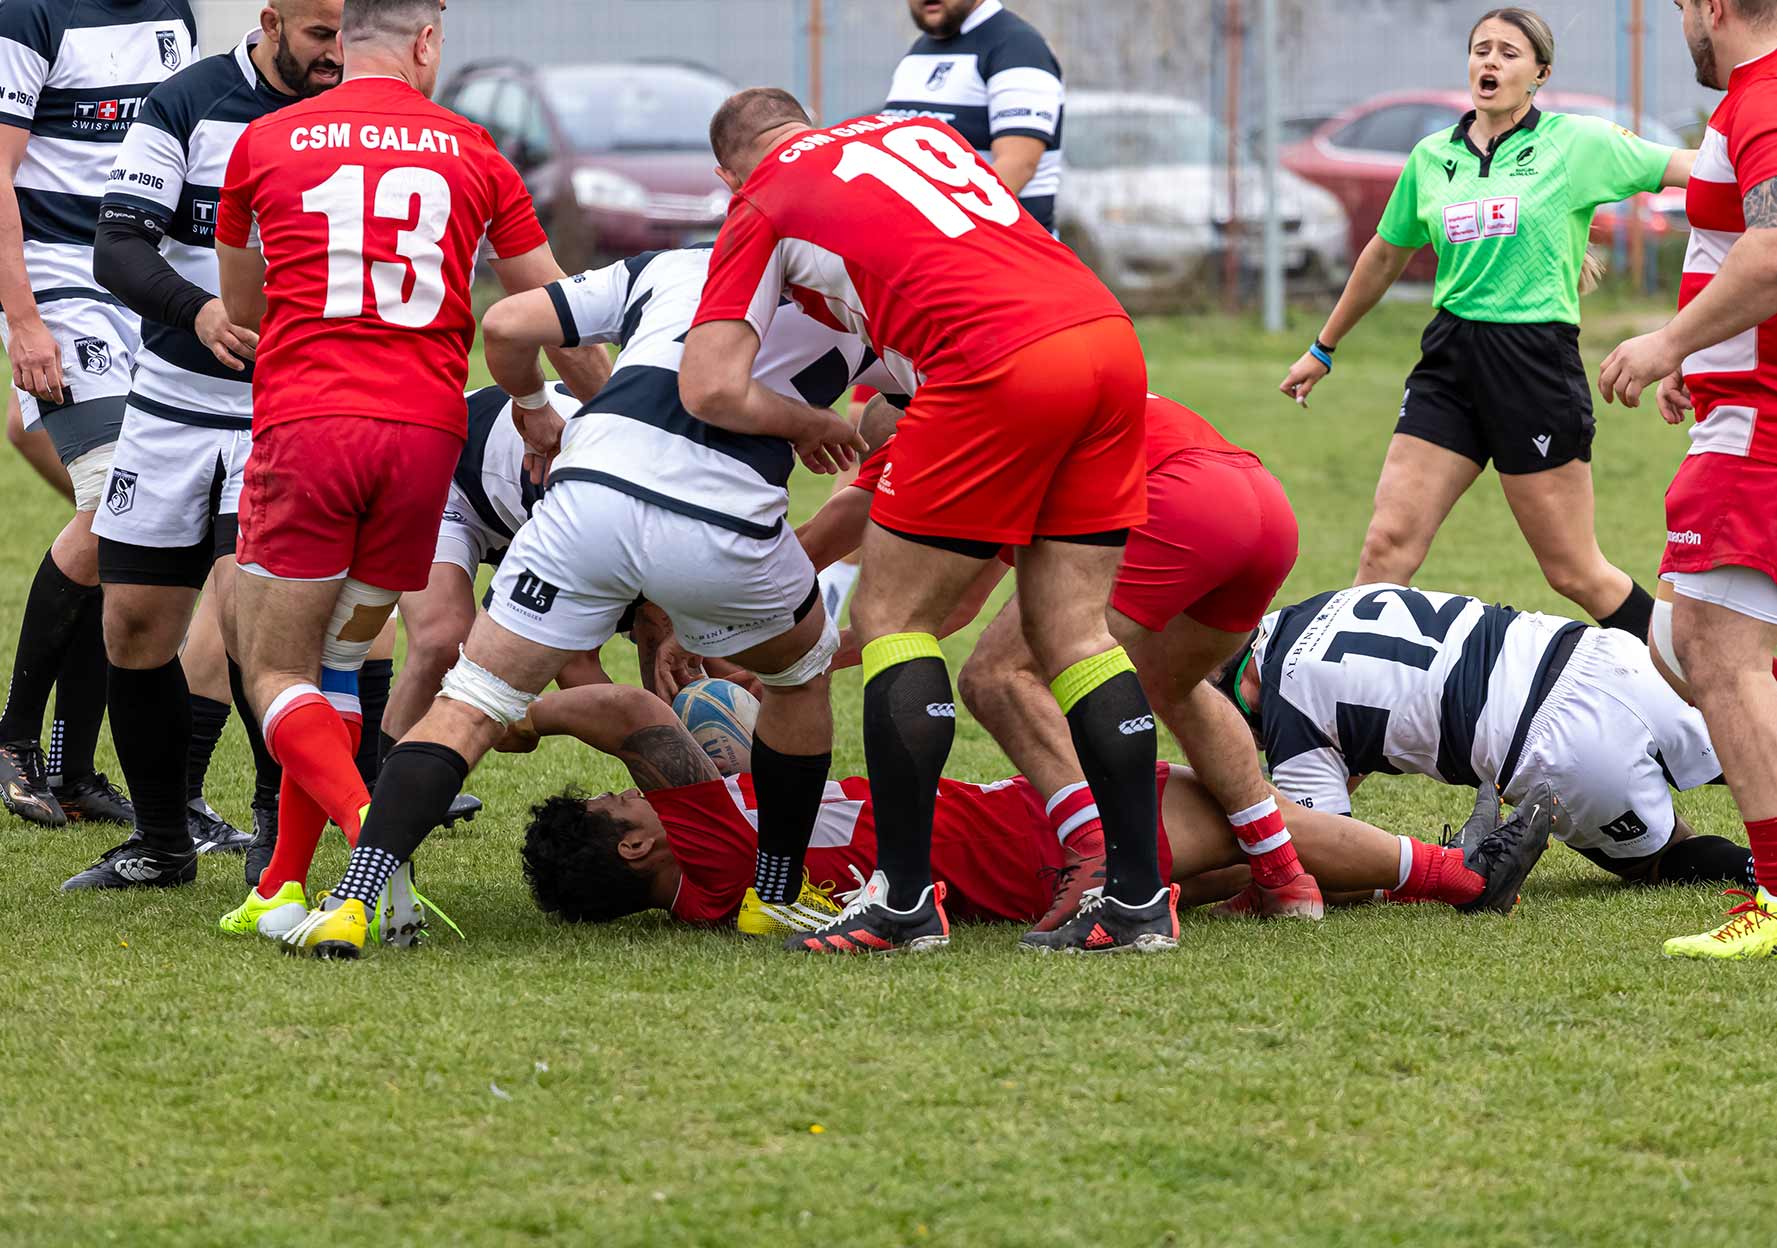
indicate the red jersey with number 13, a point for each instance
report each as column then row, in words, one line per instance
column 371, row 202
column 896, row 231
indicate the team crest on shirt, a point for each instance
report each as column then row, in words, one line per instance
column 169, row 48
column 120, row 496
column 95, row 355
column 939, row 73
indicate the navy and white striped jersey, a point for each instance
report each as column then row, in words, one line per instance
column 75, row 74
column 637, row 437
column 1385, row 678
column 995, row 77
column 490, row 471
column 170, row 168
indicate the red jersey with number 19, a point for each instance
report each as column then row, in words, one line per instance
column 370, row 203
column 896, row 231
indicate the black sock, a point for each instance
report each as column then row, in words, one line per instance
column 208, row 718
column 909, row 724
column 419, row 780
column 267, row 774
column 151, row 728
column 384, row 743
column 1707, row 860
column 373, row 695
column 788, row 788
column 52, row 616
column 80, row 695
column 1634, row 615
column 1113, row 731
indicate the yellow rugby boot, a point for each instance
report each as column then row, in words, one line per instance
column 811, row 909
column 1750, row 932
column 272, row 917
column 335, row 933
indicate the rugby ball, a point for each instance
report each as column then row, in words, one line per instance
column 720, row 716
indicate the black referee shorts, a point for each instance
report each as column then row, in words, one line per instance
column 1514, row 394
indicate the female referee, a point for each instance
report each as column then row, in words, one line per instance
column 1506, row 200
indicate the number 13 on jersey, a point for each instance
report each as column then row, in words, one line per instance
column 342, row 200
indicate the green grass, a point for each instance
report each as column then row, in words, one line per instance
column 1390, row 1076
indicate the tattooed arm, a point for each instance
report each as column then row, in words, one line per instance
column 631, row 725
column 1742, row 294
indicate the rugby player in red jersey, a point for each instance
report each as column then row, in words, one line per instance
column 347, row 236
column 1026, row 430
column 1196, row 579
column 684, row 840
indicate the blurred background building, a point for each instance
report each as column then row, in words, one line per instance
column 1164, row 187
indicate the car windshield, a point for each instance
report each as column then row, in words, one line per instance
column 623, row 108
column 1136, row 138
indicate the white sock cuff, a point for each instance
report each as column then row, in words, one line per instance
column 1275, row 841
column 1074, row 822
column 1254, row 813
column 1406, row 861
column 1061, row 795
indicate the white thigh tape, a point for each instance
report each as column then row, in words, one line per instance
column 810, row 665
column 473, row 685
column 88, row 473
column 1660, row 633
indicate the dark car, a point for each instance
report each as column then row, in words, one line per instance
column 1359, row 155
column 617, row 156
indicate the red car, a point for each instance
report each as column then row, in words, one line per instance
column 1359, row 154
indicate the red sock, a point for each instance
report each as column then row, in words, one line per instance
column 1762, row 836
column 300, row 824
column 307, row 736
column 1437, row 874
column 1074, row 816
column 1266, row 842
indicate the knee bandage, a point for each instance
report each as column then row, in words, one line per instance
column 88, row 473
column 358, row 617
column 473, row 685
column 1659, row 633
column 810, row 665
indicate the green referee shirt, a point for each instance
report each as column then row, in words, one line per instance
column 1510, row 225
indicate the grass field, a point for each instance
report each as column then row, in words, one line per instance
column 1390, row 1076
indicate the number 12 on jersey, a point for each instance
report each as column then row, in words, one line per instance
column 936, row 174
column 341, row 200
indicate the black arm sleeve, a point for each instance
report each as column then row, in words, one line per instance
column 127, row 262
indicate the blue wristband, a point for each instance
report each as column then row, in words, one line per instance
column 1323, row 355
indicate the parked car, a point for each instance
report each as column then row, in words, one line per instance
column 1145, row 200
column 1359, row 154
column 616, row 156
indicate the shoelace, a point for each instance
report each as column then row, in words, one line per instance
column 1059, row 877
column 1092, row 901
column 1741, row 918
column 33, row 765
column 854, row 900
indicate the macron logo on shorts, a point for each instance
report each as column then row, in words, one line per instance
column 1690, row 537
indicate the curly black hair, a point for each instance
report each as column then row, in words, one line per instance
column 572, row 865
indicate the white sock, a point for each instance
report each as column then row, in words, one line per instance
column 1406, row 861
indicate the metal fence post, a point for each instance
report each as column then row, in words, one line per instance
column 1273, row 273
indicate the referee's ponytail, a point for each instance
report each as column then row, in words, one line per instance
column 1591, row 272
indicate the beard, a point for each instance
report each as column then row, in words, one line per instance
column 946, row 27
column 1703, row 57
column 299, row 77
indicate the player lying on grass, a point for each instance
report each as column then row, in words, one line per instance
column 683, row 841
column 1194, row 580
column 1384, row 678
column 644, row 500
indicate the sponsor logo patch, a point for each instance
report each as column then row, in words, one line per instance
column 1499, row 217
column 1542, row 443
column 533, row 593
column 95, row 355
column 120, row 495
column 1625, row 827
column 1690, row 537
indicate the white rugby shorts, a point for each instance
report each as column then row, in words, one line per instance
column 464, row 538
column 163, row 478
column 1597, row 739
column 99, row 342
column 588, row 551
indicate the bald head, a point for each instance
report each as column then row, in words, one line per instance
column 744, row 118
